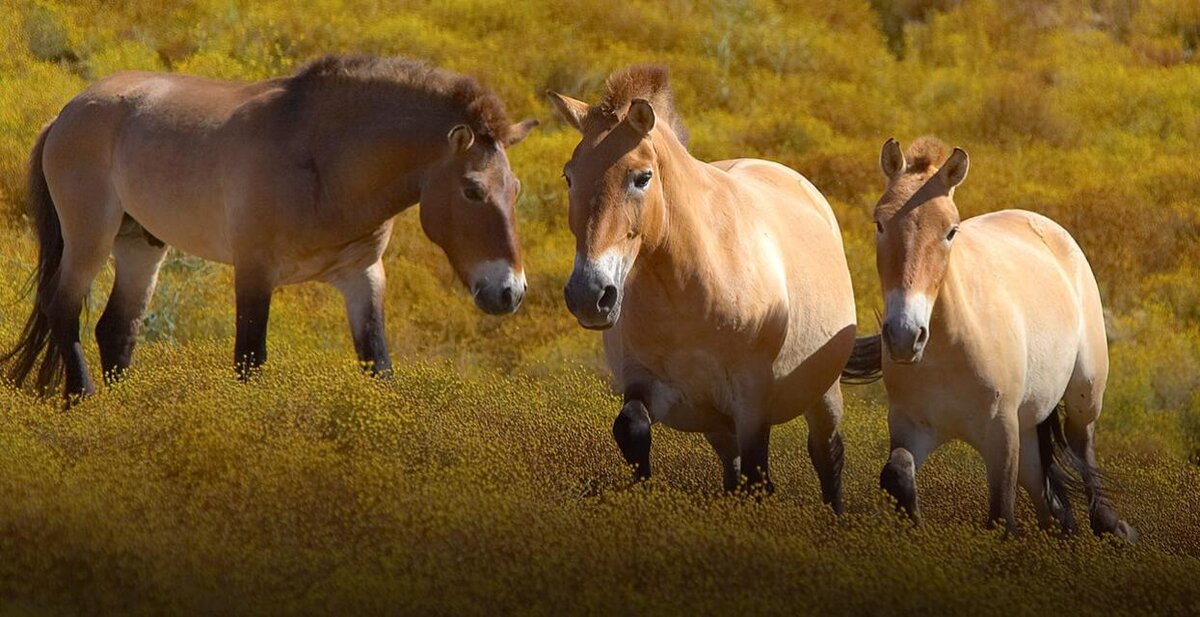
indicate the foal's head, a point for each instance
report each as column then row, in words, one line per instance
column 615, row 186
column 915, row 223
column 468, row 209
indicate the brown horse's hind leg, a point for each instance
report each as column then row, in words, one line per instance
column 137, row 257
column 825, row 445
column 363, row 292
column 725, row 444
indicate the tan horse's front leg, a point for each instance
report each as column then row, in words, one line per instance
column 910, row 445
column 1001, row 454
column 631, row 430
column 252, row 287
column 754, row 444
column 825, row 445
column 725, row 444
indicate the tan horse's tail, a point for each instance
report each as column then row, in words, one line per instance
column 36, row 341
column 1064, row 470
column 866, row 361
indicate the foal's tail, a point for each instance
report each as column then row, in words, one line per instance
column 866, row 361
column 36, row 340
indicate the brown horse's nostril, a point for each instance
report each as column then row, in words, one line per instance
column 608, row 299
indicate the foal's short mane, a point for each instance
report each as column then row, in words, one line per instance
column 642, row 81
column 479, row 107
column 924, row 154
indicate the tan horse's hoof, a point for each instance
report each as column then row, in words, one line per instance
column 1126, row 532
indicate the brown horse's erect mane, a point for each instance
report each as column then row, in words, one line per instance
column 479, row 107
column 644, row 81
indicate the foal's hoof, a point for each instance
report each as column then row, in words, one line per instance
column 1126, row 532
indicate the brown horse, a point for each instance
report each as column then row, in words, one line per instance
column 722, row 287
column 990, row 325
column 290, row 180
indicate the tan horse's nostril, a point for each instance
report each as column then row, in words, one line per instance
column 922, row 335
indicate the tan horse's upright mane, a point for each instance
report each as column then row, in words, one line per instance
column 429, row 88
column 924, row 157
column 644, row 81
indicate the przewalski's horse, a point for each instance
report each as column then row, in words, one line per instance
column 290, row 180
column 722, row 288
column 989, row 324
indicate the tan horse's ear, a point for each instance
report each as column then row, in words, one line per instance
column 891, row 159
column 461, row 138
column 519, row 131
column 641, row 116
column 571, row 110
column 955, row 167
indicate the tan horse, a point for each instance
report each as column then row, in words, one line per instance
column 289, row 180
column 723, row 288
column 989, row 324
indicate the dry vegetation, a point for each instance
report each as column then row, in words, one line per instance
column 483, row 478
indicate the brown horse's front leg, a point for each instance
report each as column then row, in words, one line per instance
column 632, row 433
column 363, row 293
column 253, row 290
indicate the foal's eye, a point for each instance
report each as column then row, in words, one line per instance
column 473, row 193
column 950, row 235
column 643, row 180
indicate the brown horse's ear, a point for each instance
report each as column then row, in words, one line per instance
column 569, row 109
column 955, row 167
column 461, row 138
column 519, row 131
column 891, row 159
column 641, row 116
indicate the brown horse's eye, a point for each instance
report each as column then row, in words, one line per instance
column 473, row 193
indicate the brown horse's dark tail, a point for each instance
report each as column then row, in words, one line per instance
column 36, row 342
column 866, row 361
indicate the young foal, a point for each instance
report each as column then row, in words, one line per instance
column 989, row 324
column 289, row 180
column 722, row 288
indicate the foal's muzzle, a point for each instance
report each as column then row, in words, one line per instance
column 497, row 289
column 594, row 298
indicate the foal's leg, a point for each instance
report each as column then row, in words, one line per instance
column 253, row 285
column 754, row 443
column 137, row 257
column 726, row 446
column 825, row 445
column 1001, row 452
column 363, row 293
column 1048, row 493
column 910, row 445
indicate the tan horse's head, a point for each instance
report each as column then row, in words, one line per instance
column 468, row 203
column 915, row 223
column 614, row 181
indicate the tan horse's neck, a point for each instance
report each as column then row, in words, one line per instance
column 679, row 233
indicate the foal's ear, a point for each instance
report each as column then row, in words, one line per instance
column 519, row 131
column 955, row 167
column 891, row 159
column 461, row 138
column 571, row 110
column 641, row 115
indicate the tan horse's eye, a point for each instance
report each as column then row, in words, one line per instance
column 953, row 232
column 643, row 180
column 473, row 193
column 568, row 179
column 878, row 227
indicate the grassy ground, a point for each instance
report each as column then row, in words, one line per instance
column 483, row 478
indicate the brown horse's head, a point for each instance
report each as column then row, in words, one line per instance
column 614, row 181
column 468, row 200
column 915, row 222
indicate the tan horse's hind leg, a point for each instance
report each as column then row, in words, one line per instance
column 89, row 226
column 825, row 445
column 137, row 257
